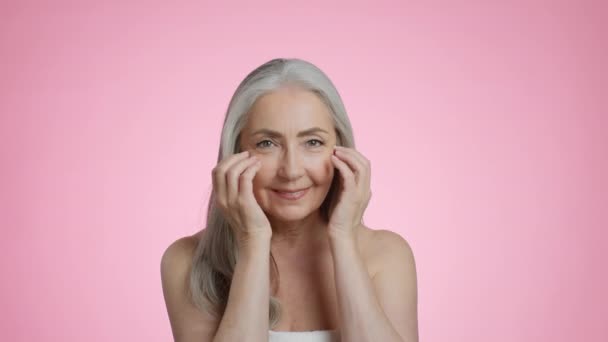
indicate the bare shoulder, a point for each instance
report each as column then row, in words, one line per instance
column 383, row 247
column 188, row 323
column 180, row 249
column 395, row 281
column 180, row 252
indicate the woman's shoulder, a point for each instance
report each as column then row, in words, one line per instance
column 376, row 241
column 380, row 245
column 182, row 249
column 187, row 321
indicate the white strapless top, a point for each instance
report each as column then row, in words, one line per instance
column 304, row 336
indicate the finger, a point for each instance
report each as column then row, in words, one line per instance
column 346, row 173
column 246, row 180
column 219, row 175
column 352, row 151
column 232, row 178
column 227, row 162
column 353, row 162
column 367, row 166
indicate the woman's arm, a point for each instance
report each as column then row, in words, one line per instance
column 382, row 309
column 247, row 311
column 247, row 308
column 361, row 315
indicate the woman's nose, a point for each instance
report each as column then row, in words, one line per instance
column 290, row 166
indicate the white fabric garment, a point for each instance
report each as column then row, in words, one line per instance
column 304, row 336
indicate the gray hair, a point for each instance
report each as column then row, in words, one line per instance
column 216, row 254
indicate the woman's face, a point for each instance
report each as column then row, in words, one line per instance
column 292, row 133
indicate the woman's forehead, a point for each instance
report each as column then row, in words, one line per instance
column 289, row 110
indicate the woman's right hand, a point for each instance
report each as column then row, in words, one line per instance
column 233, row 187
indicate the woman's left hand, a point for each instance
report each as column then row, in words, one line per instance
column 354, row 192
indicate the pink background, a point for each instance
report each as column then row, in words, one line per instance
column 484, row 124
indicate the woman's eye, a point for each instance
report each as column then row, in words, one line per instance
column 315, row 142
column 264, row 143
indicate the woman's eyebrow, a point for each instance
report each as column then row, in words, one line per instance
column 269, row 132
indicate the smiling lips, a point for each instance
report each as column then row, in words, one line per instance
column 291, row 195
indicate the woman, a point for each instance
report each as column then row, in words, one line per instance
column 289, row 191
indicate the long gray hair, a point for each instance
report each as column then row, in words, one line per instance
column 216, row 254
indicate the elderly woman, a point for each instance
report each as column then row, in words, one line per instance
column 289, row 191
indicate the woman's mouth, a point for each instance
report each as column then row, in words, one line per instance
column 291, row 195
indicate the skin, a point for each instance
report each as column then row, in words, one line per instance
column 291, row 162
column 299, row 242
column 338, row 275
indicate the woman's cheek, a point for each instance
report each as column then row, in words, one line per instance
column 265, row 173
column 322, row 167
column 329, row 166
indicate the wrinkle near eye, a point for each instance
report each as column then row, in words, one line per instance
column 264, row 144
column 318, row 144
column 313, row 145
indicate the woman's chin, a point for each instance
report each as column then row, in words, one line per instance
column 290, row 214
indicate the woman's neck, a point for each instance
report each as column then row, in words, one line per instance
column 298, row 235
